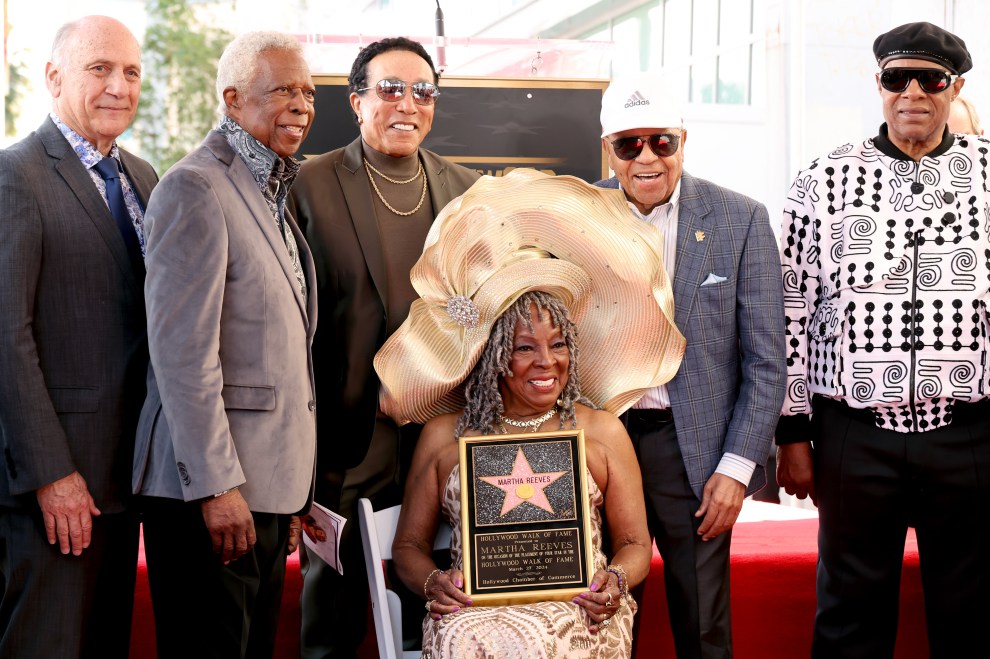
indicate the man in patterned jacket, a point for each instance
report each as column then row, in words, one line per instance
column 886, row 267
column 702, row 439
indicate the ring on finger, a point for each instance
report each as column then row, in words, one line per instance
column 609, row 602
column 429, row 606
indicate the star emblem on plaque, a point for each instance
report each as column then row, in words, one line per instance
column 524, row 517
column 522, row 485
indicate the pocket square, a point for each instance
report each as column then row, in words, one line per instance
column 712, row 279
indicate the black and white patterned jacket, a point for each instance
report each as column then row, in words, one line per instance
column 886, row 274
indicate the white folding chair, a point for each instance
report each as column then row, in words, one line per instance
column 377, row 533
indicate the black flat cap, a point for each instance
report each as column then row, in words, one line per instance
column 923, row 41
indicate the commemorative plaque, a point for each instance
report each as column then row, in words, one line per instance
column 525, row 523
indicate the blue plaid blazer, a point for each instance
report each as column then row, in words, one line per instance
column 728, row 393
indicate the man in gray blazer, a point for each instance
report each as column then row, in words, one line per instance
column 366, row 209
column 73, row 353
column 226, row 444
column 704, row 438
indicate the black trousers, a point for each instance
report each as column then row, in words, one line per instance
column 696, row 573
column 335, row 606
column 872, row 484
column 204, row 609
column 63, row 606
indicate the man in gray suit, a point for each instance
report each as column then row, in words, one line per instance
column 73, row 353
column 226, row 444
column 704, row 438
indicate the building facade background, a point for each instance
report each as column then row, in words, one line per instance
column 768, row 84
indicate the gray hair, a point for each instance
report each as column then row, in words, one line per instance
column 239, row 62
column 481, row 391
column 61, row 37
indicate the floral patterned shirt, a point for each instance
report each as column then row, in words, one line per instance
column 274, row 176
column 89, row 156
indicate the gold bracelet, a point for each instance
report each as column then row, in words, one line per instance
column 620, row 574
column 426, row 583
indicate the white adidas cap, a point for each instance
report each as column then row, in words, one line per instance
column 641, row 100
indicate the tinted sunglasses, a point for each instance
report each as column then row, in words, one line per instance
column 931, row 81
column 392, row 91
column 662, row 144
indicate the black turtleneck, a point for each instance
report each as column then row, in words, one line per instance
column 886, row 147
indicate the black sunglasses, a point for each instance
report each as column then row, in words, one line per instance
column 931, row 81
column 662, row 144
column 392, row 91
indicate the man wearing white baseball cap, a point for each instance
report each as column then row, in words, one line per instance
column 702, row 439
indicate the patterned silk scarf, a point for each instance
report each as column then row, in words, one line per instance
column 274, row 176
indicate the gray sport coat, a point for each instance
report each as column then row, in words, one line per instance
column 231, row 400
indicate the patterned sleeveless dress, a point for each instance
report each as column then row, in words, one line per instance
column 542, row 630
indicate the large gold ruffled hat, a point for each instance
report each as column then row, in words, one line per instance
column 531, row 231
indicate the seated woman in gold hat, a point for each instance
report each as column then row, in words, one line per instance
column 490, row 348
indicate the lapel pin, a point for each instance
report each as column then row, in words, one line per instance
column 699, row 235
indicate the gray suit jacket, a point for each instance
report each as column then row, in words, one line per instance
column 73, row 347
column 333, row 203
column 230, row 392
column 726, row 397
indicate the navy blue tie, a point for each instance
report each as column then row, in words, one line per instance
column 109, row 171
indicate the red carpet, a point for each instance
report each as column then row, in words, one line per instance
column 773, row 596
column 773, row 599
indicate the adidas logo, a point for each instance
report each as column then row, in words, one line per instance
column 636, row 99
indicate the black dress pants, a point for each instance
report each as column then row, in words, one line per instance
column 63, row 606
column 203, row 608
column 696, row 573
column 872, row 484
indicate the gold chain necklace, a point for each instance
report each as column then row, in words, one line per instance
column 392, row 180
column 422, row 196
column 533, row 424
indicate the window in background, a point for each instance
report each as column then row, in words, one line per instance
column 714, row 51
column 632, row 36
column 735, row 48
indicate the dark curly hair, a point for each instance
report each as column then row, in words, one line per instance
column 358, row 79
